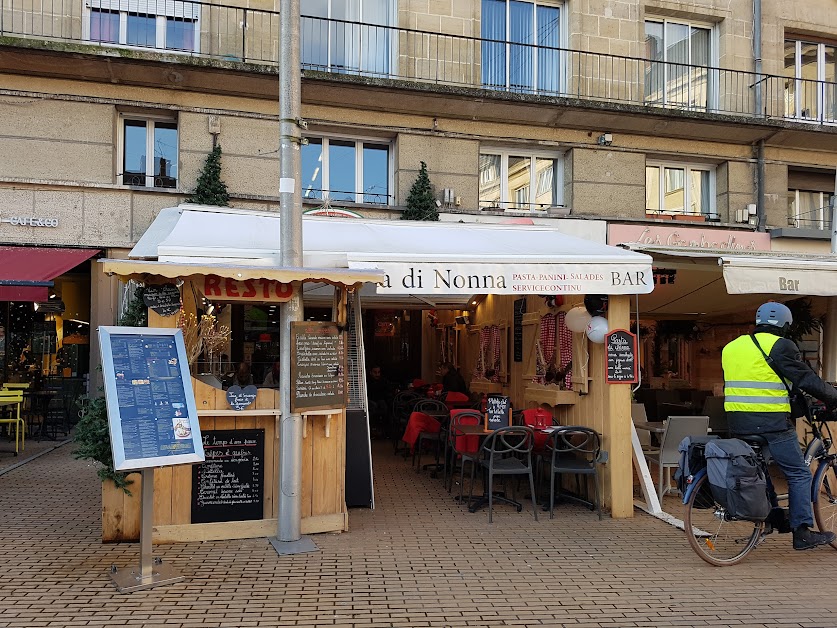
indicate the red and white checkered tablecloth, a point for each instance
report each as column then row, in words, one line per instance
column 546, row 346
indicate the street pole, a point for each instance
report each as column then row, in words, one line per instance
column 829, row 350
column 290, row 198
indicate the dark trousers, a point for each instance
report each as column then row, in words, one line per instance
column 785, row 450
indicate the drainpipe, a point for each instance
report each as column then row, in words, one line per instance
column 761, row 212
column 757, row 56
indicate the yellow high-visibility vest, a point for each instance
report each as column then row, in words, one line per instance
column 750, row 385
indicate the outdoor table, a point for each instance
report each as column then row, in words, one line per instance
column 655, row 427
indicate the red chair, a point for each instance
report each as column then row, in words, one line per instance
column 418, row 424
column 454, row 400
column 459, row 446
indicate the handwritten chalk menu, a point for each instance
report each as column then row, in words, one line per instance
column 498, row 412
column 229, row 486
column 318, row 366
column 162, row 298
column 519, row 311
column 151, row 407
column 621, row 363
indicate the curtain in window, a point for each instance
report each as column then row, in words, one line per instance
column 674, row 191
column 830, row 85
column 493, row 52
column 521, row 51
column 519, row 181
column 314, row 34
column 104, row 26
column 699, row 201
column 490, row 180
column 375, row 40
column 548, row 39
column 652, row 189
column 654, row 67
column 677, row 55
column 790, row 73
column 700, row 47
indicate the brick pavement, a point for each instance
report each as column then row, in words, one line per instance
column 418, row 560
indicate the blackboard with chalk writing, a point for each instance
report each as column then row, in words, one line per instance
column 621, row 363
column 498, row 412
column 318, row 366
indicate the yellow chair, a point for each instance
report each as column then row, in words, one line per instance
column 16, row 385
column 14, row 399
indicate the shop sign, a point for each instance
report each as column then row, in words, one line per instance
column 30, row 221
column 441, row 278
column 689, row 237
column 254, row 290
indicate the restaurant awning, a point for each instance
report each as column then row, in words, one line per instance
column 26, row 272
column 411, row 258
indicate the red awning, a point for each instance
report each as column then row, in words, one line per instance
column 23, row 266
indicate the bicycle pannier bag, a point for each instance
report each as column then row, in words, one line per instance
column 737, row 481
column 692, row 461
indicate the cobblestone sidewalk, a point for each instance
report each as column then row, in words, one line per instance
column 418, row 560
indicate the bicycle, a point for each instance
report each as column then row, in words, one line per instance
column 723, row 541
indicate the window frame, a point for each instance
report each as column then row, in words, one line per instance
column 823, row 217
column 563, row 61
column 359, row 193
column 799, row 81
column 506, row 200
column 150, row 121
column 144, row 8
column 712, row 79
column 687, row 168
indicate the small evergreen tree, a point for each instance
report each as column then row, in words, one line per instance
column 136, row 313
column 211, row 190
column 420, row 203
column 92, row 436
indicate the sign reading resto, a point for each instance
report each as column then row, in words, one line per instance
column 261, row 290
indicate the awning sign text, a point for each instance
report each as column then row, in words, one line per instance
column 254, row 290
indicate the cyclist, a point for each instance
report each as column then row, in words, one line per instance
column 760, row 372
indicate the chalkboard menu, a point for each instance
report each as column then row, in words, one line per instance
column 229, row 486
column 162, row 298
column 519, row 311
column 318, row 367
column 498, row 412
column 151, row 407
column 621, row 363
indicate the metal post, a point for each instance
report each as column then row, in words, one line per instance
column 146, row 525
column 829, row 337
column 288, row 532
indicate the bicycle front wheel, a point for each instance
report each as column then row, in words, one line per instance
column 825, row 491
column 716, row 539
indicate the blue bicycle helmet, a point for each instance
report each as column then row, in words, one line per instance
column 774, row 314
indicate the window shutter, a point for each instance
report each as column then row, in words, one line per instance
column 169, row 8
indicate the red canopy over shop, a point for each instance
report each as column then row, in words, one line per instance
column 26, row 273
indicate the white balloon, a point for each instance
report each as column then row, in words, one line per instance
column 597, row 329
column 577, row 319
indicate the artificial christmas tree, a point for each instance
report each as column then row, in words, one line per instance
column 420, row 203
column 211, row 190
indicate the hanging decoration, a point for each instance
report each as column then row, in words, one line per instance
column 596, row 304
column 565, row 346
column 545, row 348
column 597, row 329
column 577, row 319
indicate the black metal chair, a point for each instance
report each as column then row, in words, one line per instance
column 455, row 453
column 506, row 452
column 402, row 406
column 574, row 450
column 439, row 411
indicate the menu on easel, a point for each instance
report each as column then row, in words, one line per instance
column 497, row 412
column 318, row 366
column 621, row 363
column 151, row 407
column 229, row 486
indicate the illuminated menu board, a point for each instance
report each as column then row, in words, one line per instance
column 151, row 406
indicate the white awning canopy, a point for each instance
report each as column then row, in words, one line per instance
column 416, row 258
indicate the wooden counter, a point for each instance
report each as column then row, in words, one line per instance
column 323, row 478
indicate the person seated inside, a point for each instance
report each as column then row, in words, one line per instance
column 452, row 380
column 379, row 392
column 243, row 376
column 271, row 380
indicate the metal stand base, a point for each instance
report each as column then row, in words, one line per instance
column 286, row 548
column 128, row 580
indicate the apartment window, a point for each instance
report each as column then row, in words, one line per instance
column 356, row 171
column 809, row 209
column 170, row 25
column 677, row 72
column 510, row 180
column 141, row 138
column 520, row 48
column 679, row 189
column 810, row 88
column 351, row 36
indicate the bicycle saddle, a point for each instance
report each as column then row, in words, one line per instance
column 756, row 440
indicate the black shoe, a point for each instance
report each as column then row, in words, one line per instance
column 804, row 538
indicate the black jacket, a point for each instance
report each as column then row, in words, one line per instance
column 788, row 363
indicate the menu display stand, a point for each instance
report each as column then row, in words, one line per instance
column 153, row 422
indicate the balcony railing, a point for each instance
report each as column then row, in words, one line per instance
column 233, row 33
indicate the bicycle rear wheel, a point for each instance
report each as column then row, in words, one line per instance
column 717, row 540
column 825, row 507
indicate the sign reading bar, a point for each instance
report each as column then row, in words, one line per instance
column 629, row 277
column 260, row 290
column 318, row 366
column 151, row 406
column 519, row 311
column 621, row 364
column 497, row 412
column 164, row 299
column 229, row 486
